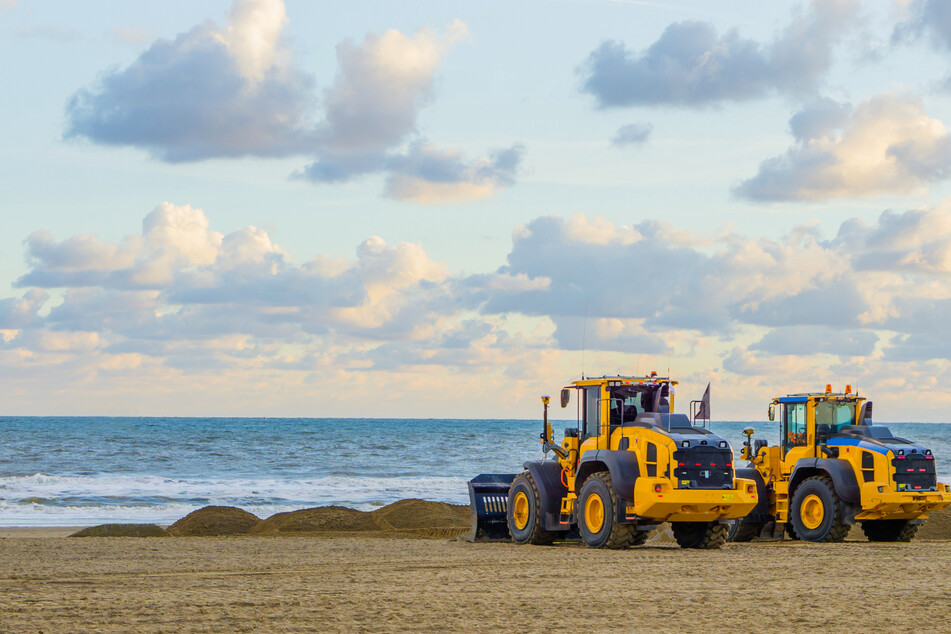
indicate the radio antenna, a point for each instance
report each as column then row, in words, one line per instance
column 584, row 336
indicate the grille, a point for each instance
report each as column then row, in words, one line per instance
column 915, row 472
column 701, row 467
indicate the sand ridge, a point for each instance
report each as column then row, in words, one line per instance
column 405, row 518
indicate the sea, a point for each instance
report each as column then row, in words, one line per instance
column 85, row 471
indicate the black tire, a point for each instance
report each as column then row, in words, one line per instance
column 611, row 534
column 831, row 527
column 791, row 532
column 532, row 532
column 889, row 530
column 746, row 531
column 705, row 535
column 639, row 538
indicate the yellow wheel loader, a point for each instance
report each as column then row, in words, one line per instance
column 834, row 468
column 628, row 465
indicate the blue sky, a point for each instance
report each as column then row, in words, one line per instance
column 380, row 209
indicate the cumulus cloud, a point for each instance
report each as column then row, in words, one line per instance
column 211, row 92
column 632, row 134
column 235, row 90
column 888, row 145
column 179, row 299
column 692, row 65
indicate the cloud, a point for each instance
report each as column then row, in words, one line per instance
column 179, row 303
column 632, row 134
column 211, row 92
column 889, row 145
column 926, row 17
column 691, row 65
column 235, row 90
column 380, row 86
column 810, row 340
column 427, row 174
column 6, row 5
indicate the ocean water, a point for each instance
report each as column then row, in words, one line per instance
column 83, row 471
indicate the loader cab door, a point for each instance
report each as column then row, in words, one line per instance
column 591, row 412
column 793, row 431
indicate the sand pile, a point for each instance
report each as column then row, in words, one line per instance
column 423, row 519
column 122, row 530
column 938, row 526
column 417, row 514
column 404, row 518
column 214, row 521
column 321, row 519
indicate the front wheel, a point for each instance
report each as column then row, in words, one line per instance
column 889, row 530
column 597, row 515
column 816, row 514
column 524, row 512
column 706, row 535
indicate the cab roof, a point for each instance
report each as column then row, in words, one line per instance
column 802, row 398
column 622, row 380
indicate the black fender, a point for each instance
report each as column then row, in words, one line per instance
column 622, row 465
column 843, row 479
column 551, row 490
column 760, row 512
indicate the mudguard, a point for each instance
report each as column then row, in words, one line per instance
column 760, row 512
column 621, row 464
column 841, row 472
column 547, row 476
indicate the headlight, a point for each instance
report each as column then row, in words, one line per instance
column 722, row 444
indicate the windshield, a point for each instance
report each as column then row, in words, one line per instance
column 836, row 414
column 628, row 401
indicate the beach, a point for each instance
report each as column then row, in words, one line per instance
column 377, row 581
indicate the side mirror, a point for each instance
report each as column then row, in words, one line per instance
column 748, row 432
column 772, row 412
column 822, row 433
column 565, row 395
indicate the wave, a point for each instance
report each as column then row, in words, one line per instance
column 82, row 500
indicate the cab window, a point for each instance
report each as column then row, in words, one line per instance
column 836, row 415
column 794, row 425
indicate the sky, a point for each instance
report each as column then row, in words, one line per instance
column 447, row 209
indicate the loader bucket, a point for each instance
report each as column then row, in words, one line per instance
column 488, row 499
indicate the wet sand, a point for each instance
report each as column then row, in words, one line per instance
column 348, row 582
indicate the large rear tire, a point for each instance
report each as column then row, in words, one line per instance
column 597, row 515
column 705, row 535
column 816, row 513
column 524, row 512
column 889, row 530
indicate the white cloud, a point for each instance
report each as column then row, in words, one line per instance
column 380, row 87
column 692, row 65
column 182, row 300
column 235, row 90
column 889, row 145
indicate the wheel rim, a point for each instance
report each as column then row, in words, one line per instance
column 520, row 513
column 812, row 511
column 594, row 513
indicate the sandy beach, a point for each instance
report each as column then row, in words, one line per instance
column 351, row 582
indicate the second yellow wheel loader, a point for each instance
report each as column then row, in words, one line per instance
column 834, row 468
column 629, row 465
